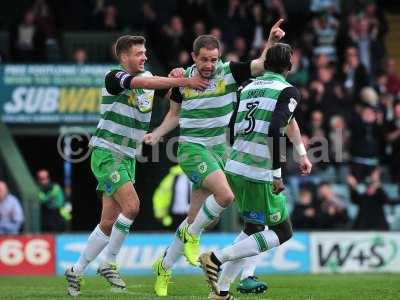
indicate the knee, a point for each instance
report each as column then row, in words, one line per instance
column 285, row 236
column 131, row 210
column 225, row 199
column 250, row 228
column 284, row 231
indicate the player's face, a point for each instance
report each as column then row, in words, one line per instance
column 206, row 61
column 136, row 58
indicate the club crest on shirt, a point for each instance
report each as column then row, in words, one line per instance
column 115, row 177
column 202, row 167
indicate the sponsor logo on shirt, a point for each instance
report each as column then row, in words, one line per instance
column 275, row 217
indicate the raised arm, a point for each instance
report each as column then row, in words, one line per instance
column 275, row 35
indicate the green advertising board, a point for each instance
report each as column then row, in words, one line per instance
column 51, row 94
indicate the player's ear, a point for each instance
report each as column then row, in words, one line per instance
column 194, row 56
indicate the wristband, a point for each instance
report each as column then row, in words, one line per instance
column 277, row 173
column 300, row 149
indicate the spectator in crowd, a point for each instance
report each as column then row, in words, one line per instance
column 332, row 211
column 393, row 79
column 370, row 199
column 339, row 146
column 46, row 19
column 304, row 215
column 217, row 32
column 27, row 40
column 353, row 74
column 392, row 137
column 184, row 59
column 276, row 10
column 324, row 5
column 51, row 197
column 175, row 36
column 328, row 94
column 316, row 128
column 240, row 48
column 231, row 56
column 11, row 214
column 369, row 47
column 257, row 27
column 299, row 74
column 172, row 197
column 109, row 19
column 325, row 30
column 199, row 28
column 80, row 56
column 202, row 9
column 366, row 142
column 232, row 19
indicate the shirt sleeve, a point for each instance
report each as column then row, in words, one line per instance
column 176, row 95
column 284, row 109
column 241, row 71
column 161, row 93
column 115, row 81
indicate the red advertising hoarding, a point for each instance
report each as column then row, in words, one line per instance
column 27, row 255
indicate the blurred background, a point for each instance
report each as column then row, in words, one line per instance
column 53, row 56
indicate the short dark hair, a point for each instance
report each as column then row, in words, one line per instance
column 207, row 41
column 125, row 42
column 278, row 57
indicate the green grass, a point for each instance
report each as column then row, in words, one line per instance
column 310, row 287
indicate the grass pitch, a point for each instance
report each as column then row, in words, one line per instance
column 299, row 287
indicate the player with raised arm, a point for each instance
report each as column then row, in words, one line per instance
column 125, row 116
column 203, row 117
column 253, row 170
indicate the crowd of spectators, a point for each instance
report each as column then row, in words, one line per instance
column 350, row 108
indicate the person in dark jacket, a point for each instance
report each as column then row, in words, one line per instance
column 370, row 198
column 366, row 142
column 304, row 215
column 332, row 213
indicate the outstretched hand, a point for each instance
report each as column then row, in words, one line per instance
column 276, row 33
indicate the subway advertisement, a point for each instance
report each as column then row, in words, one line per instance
column 315, row 252
column 51, row 93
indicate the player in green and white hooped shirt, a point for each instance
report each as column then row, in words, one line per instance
column 125, row 115
column 203, row 118
column 253, row 169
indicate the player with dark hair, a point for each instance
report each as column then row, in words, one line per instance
column 126, row 106
column 253, row 169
